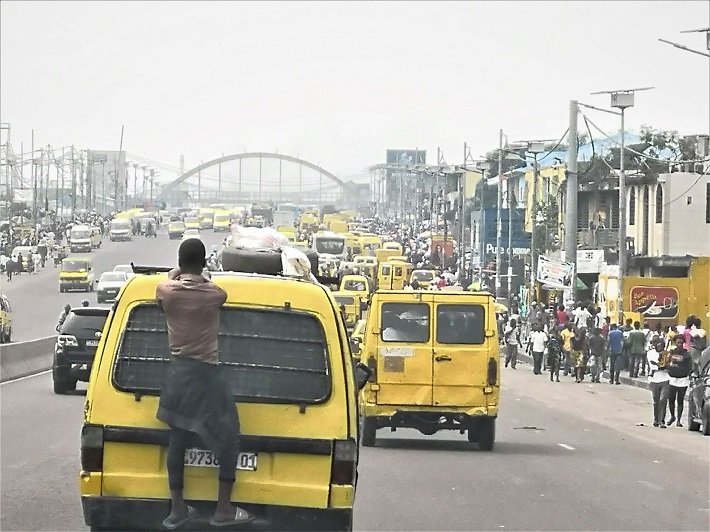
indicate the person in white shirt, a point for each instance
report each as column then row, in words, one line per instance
column 581, row 317
column 536, row 344
column 659, row 381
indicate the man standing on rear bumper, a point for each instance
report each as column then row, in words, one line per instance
column 195, row 400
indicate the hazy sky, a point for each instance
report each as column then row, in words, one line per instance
column 339, row 83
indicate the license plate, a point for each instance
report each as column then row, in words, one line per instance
column 92, row 343
column 202, row 458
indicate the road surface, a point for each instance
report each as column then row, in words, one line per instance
column 568, row 457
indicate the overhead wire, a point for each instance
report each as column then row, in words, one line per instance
column 670, row 161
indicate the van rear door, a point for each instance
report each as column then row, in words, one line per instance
column 281, row 363
column 404, row 353
column 460, row 360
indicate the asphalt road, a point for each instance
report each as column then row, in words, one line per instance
column 37, row 302
column 568, row 457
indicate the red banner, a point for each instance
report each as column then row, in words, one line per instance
column 655, row 302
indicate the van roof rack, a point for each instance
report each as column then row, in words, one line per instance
column 149, row 270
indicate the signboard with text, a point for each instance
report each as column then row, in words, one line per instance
column 655, row 302
column 553, row 273
column 406, row 157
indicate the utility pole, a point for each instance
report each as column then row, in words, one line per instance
column 34, row 180
column 199, row 185
column 116, row 177
column 533, row 226
column 259, row 178
column 219, row 180
column 621, row 99
column 571, row 195
column 499, row 220
column 152, row 178
column 509, row 260
column 73, row 182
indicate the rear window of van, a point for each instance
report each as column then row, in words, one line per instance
column 460, row 324
column 271, row 355
column 405, row 322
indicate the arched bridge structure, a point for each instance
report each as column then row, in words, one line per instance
column 255, row 177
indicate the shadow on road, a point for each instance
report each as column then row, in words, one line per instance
column 426, row 444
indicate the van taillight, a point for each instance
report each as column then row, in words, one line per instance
column 344, row 462
column 492, row 371
column 92, row 447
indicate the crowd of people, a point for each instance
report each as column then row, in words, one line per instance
column 47, row 242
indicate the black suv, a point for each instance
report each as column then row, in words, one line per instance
column 76, row 346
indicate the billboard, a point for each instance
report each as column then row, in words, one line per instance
column 406, row 157
column 655, row 302
column 554, row 273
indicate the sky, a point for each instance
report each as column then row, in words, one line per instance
column 339, row 83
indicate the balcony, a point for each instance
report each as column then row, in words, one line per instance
column 597, row 239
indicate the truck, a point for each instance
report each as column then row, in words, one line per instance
column 282, row 218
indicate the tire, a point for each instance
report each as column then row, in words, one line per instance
column 368, row 438
column 62, row 382
column 693, row 426
column 486, row 434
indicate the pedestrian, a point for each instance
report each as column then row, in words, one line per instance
column 581, row 317
column 698, row 342
column 20, row 264
column 648, row 335
column 63, row 317
column 579, row 353
column 597, row 348
column 30, row 264
column 637, row 346
column 536, row 346
column 679, row 366
column 555, row 356
column 566, row 336
column 561, row 316
column 512, row 342
column 195, row 389
column 659, row 381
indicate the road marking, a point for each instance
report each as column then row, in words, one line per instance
column 565, row 446
column 26, row 377
column 650, row 485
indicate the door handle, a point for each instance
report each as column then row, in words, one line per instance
column 442, row 358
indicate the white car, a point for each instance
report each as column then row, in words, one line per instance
column 109, row 284
column 125, row 268
column 191, row 233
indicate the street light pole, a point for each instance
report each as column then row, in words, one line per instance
column 499, row 220
column 533, row 221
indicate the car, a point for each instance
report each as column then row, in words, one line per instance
column 109, row 285
column 699, row 396
column 126, row 268
column 191, row 233
column 5, row 319
column 283, row 348
column 75, row 347
column 176, row 229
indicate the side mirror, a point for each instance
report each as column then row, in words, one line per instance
column 363, row 306
column 362, row 374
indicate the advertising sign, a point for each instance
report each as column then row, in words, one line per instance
column 406, row 157
column 655, row 302
column 589, row 260
column 555, row 274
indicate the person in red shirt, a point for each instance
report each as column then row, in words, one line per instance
column 561, row 316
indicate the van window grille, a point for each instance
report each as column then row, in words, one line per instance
column 272, row 355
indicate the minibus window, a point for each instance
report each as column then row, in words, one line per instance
column 405, row 322
column 460, row 324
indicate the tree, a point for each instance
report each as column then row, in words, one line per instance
column 668, row 144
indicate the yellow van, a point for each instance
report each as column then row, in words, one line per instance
column 401, row 270
column 434, row 357
column 358, row 284
column 285, row 349
column 384, row 254
column 77, row 273
column 393, row 246
column 356, row 339
column 351, row 304
column 5, row 320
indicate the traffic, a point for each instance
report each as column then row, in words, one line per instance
column 420, row 353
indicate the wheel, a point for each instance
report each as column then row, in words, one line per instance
column 369, row 432
column 486, row 433
column 61, row 379
column 693, row 426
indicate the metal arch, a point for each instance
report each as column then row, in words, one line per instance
column 254, row 155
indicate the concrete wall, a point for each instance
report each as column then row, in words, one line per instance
column 25, row 358
column 686, row 231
